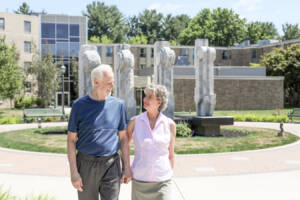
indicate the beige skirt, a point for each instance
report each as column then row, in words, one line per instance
column 151, row 190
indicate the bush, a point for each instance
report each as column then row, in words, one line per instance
column 26, row 102
column 10, row 120
column 183, row 130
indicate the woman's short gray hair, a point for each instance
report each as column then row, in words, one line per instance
column 98, row 72
column 161, row 93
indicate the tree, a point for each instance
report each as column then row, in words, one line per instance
column 24, row 9
column 11, row 77
column 290, row 31
column 286, row 62
column 222, row 27
column 260, row 31
column 147, row 23
column 137, row 40
column 173, row 26
column 47, row 75
column 105, row 20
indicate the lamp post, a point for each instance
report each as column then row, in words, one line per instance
column 63, row 70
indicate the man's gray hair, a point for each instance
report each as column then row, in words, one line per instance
column 98, row 72
column 161, row 93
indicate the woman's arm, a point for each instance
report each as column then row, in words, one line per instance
column 172, row 143
column 130, row 129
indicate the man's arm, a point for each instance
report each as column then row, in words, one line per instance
column 172, row 143
column 124, row 147
column 71, row 148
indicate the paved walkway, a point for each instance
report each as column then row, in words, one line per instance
column 262, row 174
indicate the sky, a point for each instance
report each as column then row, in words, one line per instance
column 277, row 11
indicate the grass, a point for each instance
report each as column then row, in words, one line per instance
column 6, row 195
column 276, row 115
column 256, row 138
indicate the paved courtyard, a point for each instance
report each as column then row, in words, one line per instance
column 262, row 174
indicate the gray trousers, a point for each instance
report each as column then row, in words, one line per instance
column 100, row 175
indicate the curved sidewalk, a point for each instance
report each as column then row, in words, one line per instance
column 206, row 170
column 267, row 160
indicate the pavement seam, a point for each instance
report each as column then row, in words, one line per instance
column 181, row 194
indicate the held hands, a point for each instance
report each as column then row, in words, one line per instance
column 126, row 176
column 77, row 182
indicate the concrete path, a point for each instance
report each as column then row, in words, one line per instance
column 262, row 174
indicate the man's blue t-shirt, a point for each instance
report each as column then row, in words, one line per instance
column 97, row 124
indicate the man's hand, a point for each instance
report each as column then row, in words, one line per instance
column 77, row 182
column 126, row 176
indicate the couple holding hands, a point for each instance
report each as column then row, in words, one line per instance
column 98, row 129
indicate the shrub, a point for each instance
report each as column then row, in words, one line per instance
column 25, row 102
column 10, row 120
column 183, row 130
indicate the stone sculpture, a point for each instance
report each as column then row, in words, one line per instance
column 88, row 60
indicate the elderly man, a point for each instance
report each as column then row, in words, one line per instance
column 97, row 129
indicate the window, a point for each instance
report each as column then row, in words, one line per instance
column 74, row 49
column 143, row 52
column 74, row 30
column 62, row 31
column 152, row 52
column 99, row 51
column 27, row 87
column 226, row 55
column 142, row 66
column 27, row 26
column 2, row 24
column 62, row 49
column 48, row 30
column 27, row 47
column 184, row 52
column 108, row 51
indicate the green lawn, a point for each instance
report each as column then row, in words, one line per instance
column 276, row 115
column 256, row 138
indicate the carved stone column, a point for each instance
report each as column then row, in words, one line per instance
column 164, row 58
column 205, row 98
column 88, row 60
column 124, row 78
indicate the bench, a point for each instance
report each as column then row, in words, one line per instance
column 42, row 112
column 295, row 113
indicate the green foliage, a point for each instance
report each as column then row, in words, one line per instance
column 47, row 74
column 255, row 64
column 173, row 26
column 94, row 39
column 183, row 130
column 222, row 27
column 147, row 23
column 26, row 102
column 6, row 195
column 74, row 65
column 106, row 40
column 286, row 62
column 290, row 31
column 260, row 31
column 11, row 77
column 24, row 9
column 10, row 120
column 139, row 39
column 105, row 21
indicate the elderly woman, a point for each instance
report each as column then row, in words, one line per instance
column 153, row 135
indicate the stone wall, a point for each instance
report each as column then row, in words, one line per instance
column 234, row 93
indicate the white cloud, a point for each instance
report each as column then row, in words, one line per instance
column 169, row 8
column 248, row 5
